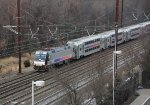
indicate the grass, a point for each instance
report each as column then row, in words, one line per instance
column 10, row 64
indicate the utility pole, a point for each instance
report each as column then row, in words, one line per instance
column 115, row 52
column 19, row 33
column 116, row 33
column 122, row 7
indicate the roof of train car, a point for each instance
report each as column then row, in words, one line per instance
column 56, row 49
column 111, row 32
column 145, row 23
column 92, row 37
column 105, row 34
column 128, row 28
column 136, row 26
column 86, row 38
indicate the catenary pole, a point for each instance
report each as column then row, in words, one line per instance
column 122, row 8
column 19, row 33
column 116, row 33
column 114, row 54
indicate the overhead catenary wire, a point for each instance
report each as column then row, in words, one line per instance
column 134, row 17
column 27, row 46
column 24, row 41
column 147, row 16
column 37, row 34
column 68, row 23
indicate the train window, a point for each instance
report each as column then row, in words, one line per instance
column 80, row 49
column 53, row 51
column 113, row 35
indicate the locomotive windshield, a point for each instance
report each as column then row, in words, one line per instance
column 40, row 57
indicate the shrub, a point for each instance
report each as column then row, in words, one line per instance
column 136, row 94
column 27, row 63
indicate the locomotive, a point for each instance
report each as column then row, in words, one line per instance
column 84, row 46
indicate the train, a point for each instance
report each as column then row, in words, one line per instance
column 84, row 46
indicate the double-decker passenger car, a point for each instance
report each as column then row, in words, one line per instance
column 87, row 45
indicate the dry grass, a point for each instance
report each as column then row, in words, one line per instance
column 9, row 60
column 10, row 64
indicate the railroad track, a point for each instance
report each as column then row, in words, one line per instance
column 77, row 69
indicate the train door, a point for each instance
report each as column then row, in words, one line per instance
column 81, row 50
column 78, row 50
column 105, row 43
column 112, row 40
column 108, row 41
column 75, row 50
column 142, row 30
column 147, row 29
column 102, row 44
column 129, row 35
column 125, row 36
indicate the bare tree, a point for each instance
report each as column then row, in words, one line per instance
column 145, row 65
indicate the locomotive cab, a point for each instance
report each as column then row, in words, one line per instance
column 41, row 60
